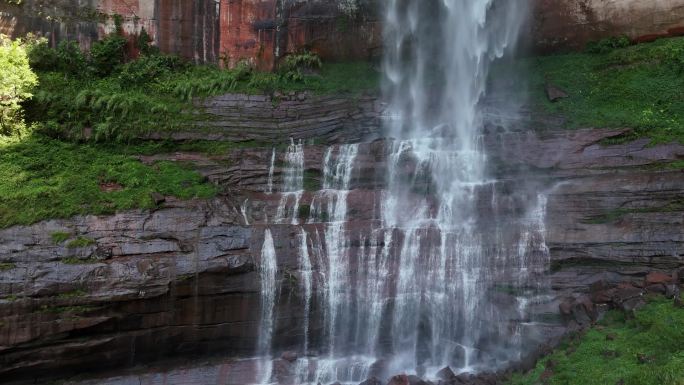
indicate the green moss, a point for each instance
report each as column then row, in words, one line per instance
column 80, row 242
column 677, row 165
column 7, row 266
column 78, row 261
column 67, row 309
column 60, row 236
column 656, row 333
column 613, row 215
column 312, row 180
column 304, row 211
column 46, row 178
column 636, row 87
column 72, row 294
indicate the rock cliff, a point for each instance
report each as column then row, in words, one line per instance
column 104, row 292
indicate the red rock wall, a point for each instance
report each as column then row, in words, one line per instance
column 570, row 24
column 262, row 31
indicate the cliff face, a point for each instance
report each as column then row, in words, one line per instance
column 569, row 24
column 262, row 31
column 182, row 280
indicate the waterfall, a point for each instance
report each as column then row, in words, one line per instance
column 267, row 269
column 446, row 268
column 293, row 183
column 438, row 53
column 271, row 171
column 307, row 284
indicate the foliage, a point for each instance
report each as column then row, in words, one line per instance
column 71, row 59
column 148, row 69
column 108, row 54
column 636, row 87
column 294, row 65
column 655, row 334
column 41, row 56
column 608, row 44
column 156, row 94
column 144, row 44
column 45, row 178
column 80, row 242
column 17, row 81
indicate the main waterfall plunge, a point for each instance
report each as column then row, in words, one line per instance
column 442, row 271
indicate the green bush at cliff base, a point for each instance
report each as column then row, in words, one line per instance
column 640, row 87
column 656, row 335
column 44, row 178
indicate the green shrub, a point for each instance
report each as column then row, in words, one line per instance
column 42, row 57
column 17, row 81
column 293, row 65
column 608, row 44
column 144, row 43
column 71, row 59
column 108, row 54
column 149, row 68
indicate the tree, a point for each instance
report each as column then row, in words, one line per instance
column 17, row 80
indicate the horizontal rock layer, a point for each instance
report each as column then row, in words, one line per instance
column 93, row 293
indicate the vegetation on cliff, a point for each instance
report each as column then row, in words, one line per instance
column 45, row 178
column 644, row 350
column 615, row 85
column 84, row 109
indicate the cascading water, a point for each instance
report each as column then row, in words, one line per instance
column 417, row 288
column 437, row 58
column 268, row 269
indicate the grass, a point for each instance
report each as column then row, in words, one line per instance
column 7, row 266
column 59, row 236
column 610, row 353
column 46, row 178
column 639, row 87
column 78, row 261
column 80, row 242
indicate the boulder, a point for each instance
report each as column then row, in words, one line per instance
column 672, row 291
column 157, row 198
column 625, row 293
column 555, row 93
column 657, row 288
column 657, row 278
column 401, row 379
column 446, row 374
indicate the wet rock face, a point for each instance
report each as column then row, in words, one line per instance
column 165, row 282
column 181, row 280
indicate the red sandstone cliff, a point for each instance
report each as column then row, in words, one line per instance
column 260, row 31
